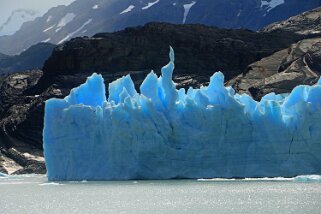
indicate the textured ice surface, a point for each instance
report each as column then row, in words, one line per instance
column 308, row 178
column 163, row 133
column 3, row 175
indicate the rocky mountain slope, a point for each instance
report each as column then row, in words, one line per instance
column 305, row 23
column 15, row 107
column 285, row 69
column 282, row 71
column 86, row 18
column 200, row 51
column 32, row 58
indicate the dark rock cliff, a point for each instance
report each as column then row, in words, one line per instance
column 20, row 123
column 200, row 51
column 307, row 23
column 282, row 71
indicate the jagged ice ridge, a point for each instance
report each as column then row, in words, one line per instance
column 164, row 133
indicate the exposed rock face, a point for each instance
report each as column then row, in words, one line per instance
column 200, row 51
column 21, row 116
column 306, row 23
column 285, row 69
column 282, row 71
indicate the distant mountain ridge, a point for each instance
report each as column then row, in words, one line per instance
column 3, row 56
column 16, row 19
column 32, row 58
column 86, row 18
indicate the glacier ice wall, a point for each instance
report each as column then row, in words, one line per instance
column 163, row 133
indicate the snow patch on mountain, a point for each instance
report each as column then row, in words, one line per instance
column 49, row 19
column 16, row 19
column 46, row 40
column 150, row 4
column 187, row 8
column 69, row 36
column 128, row 9
column 65, row 20
column 269, row 5
column 49, row 28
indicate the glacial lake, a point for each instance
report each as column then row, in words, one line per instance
column 33, row 194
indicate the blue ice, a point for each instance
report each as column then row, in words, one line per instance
column 3, row 175
column 165, row 133
column 308, row 178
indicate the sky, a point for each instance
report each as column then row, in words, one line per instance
column 7, row 6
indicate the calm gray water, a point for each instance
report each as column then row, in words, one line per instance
column 32, row 194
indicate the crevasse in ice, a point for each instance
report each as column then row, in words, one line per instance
column 164, row 133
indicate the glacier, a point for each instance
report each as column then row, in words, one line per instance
column 165, row 133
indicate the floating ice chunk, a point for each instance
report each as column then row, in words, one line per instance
column 308, row 178
column 163, row 133
column 51, row 184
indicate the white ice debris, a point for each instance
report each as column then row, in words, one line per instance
column 75, row 32
column 95, row 6
column 272, row 4
column 128, row 9
column 65, row 20
column 150, row 4
column 308, row 178
column 187, row 8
